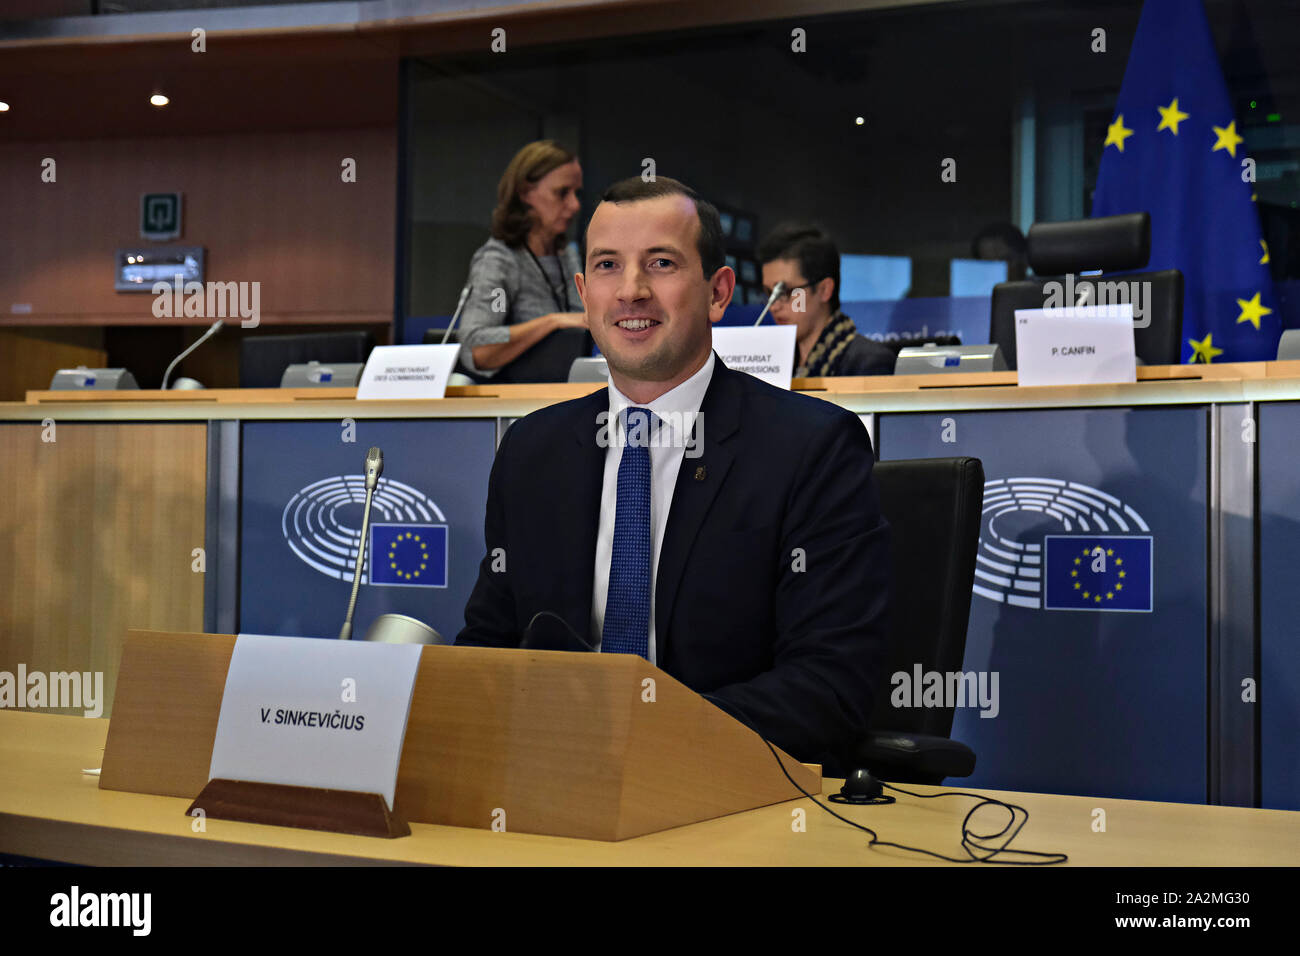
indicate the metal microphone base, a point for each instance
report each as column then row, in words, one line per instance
column 400, row 629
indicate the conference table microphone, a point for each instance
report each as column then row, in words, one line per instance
column 216, row 326
column 374, row 468
column 776, row 292
column 547, row 631
column 464, row 294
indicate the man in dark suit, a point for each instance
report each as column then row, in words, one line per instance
column 726, row 530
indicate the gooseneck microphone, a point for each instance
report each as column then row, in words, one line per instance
column 464, row 294
column 776, row 291
column 374, row 468
column 216, row 326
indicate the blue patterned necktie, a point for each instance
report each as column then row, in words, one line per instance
column 626, row 627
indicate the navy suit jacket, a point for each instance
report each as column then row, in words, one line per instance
column 774, row 573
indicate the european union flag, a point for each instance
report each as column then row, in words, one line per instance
column 1174, row 151
column 413, row 555
column 1098, row 572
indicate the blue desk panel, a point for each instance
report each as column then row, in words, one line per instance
column 1110, row 700
column 1279, row 606
column 303, row 493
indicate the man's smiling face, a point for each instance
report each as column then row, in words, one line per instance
column 649, row 304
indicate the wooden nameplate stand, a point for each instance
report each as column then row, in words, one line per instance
column 548, row 742
column 312, row 808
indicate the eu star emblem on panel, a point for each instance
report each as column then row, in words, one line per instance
column 409, row 555
column 321, row 524
column 1098, row 572
column 1104, row 560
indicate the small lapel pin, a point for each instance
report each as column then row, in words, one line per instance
column 700, row 473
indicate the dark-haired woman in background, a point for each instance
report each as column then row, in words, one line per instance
column 826, row 340
column 522, row 277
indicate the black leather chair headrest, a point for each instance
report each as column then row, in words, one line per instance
column 1109, row 243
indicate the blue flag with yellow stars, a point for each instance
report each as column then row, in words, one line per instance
column 411, row 555
column 1098, row 572
column 1173, row 149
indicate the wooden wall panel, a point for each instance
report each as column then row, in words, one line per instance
column 32, row 9
column 268, row 207
column 30, row 357
column 96, row 533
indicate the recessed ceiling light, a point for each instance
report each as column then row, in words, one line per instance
column 859, row 121
column 4, row 107
column 159, row 100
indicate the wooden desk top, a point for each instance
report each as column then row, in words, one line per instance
column 50, row 809
column 1156, row 385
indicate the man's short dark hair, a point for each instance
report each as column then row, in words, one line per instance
column 815, row 252
column 709, row 243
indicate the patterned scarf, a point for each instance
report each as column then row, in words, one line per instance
column 830, row 345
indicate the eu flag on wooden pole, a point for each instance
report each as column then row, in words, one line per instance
column 1173, row 149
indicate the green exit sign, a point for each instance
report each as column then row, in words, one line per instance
column 160, row 216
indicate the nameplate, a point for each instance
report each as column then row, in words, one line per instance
column 1077, row 345
column 407, row 371
column 309, row 712
column 765, row 351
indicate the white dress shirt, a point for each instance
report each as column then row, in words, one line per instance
column 676, row 410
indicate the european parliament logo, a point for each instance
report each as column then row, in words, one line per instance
column 1103, row 562
column 321, row 524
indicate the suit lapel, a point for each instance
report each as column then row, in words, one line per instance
column 585, row 492
column 698, row 482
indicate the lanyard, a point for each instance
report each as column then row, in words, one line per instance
column 564, row 286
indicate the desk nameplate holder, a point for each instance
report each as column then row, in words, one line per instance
column 309, row 808
column 546, row 742
column 324, row 761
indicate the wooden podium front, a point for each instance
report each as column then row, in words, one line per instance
column 596, row 746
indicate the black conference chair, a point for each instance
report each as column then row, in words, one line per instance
column 263, row 358
column 1111, row 244
column 933, row 506
column 547, row 361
